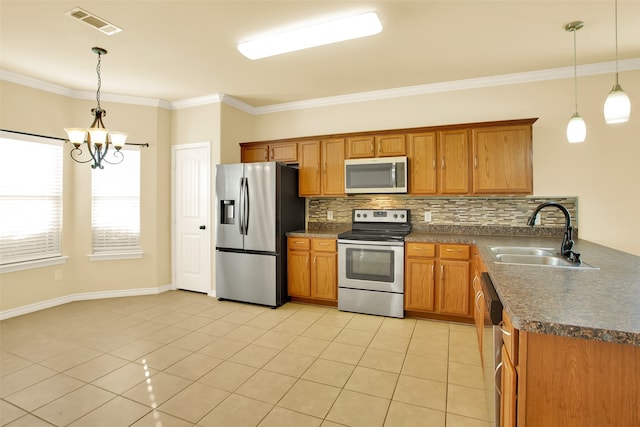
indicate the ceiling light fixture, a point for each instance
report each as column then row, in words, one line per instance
column 352, row 27
column 576, row 129
column 97, row 138
column 617, row 106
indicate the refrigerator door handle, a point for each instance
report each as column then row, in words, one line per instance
column 247, row 207
column 241, row 207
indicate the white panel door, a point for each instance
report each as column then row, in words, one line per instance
column 192, row 217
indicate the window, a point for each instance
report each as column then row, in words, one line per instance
column 115, row 208
column 30, row 199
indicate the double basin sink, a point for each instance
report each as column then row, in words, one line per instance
column 524, row 255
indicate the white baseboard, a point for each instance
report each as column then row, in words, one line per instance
column 7, row 314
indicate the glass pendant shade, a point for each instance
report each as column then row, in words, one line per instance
column 118, row 139
column 76, row 135
column 576, row 129
column 617, row 107
column 98, row 135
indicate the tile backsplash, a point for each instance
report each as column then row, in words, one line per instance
column 508, row 213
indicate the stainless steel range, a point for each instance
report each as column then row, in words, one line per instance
column 371, row 262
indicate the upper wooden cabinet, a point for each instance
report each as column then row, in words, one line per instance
column 502, row 160
column 475, row 158
column 321, row 167
column 453, row 148
column 286, row 152
column 383, row 145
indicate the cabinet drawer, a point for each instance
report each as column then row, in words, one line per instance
column 298, row 243
column 323, row 245
column 509, row 338
column 454, row 251
column 421, row 249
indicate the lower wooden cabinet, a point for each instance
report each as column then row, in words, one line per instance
column 312, row 269
column 437, row 279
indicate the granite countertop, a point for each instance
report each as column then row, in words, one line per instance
column 599, row 304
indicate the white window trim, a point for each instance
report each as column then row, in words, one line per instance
column 28, row 265
column 110, row 256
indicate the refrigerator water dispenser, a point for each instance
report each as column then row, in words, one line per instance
column 227, row 211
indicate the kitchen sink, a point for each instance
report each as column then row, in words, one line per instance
column 545, row 257
column 521, row 250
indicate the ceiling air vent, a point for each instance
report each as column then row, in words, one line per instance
column 93, row 21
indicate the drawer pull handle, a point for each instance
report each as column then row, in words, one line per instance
column 505, row 332
column 495, row 378
column 454, row 250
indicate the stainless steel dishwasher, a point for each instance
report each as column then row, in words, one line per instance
column 491, row 348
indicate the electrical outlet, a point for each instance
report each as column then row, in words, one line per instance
column 330, row 215
column 538, row 220
column 427, row 216
column 57, row 274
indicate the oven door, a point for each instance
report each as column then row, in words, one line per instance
column 375, row 266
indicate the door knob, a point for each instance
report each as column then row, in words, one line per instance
column 202, row 227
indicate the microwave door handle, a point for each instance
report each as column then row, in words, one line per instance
column 394, row 177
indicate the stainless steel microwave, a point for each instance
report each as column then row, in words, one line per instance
column 375, row 175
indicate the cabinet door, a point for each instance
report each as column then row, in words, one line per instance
column 454, row 162
column 391, row 145
column 253, row 154
column 453, row 287
column 508, row 384
column 333, row 167
column 309, row 172
column 419, row 293
column 298, row 273
column 502, row 160
column 422, row 163
column 324, row 275
column 360, row 147
column 284, row 152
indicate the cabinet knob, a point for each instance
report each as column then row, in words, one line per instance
column 202, row 227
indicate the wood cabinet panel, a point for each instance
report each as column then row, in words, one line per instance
column 572, row 382
column 422, row 155
column 309, row 183
column 285, row 152
column 502, row 160
column 390, row 145
column 421, row 249
column 508, row 384
column 420, row 293
column 324, row 282
column 333, row 167
column 453, row 292
column 252, row 154
column 454, row 162
column 298, row 279
column 449, row 251
column 360, row 147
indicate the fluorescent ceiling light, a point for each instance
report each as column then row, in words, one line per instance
column 339, row 30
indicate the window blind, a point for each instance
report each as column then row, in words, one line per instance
column 30, row 198
column 115, row 205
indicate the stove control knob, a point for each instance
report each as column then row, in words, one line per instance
column 402, row 216
column 395, row 215
column 364, row 215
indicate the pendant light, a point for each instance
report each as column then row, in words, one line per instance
column 96, row 137
column 576, row 129
column 617, row 106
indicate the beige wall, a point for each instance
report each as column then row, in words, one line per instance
column 29, row 110
column 602, row 171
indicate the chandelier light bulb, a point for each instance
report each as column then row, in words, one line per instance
column 118, row 139
column 576, row 129
column 76, row 135
column 617, row 106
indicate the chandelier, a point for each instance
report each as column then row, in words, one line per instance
column 97, row 138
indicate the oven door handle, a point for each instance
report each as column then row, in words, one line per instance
column 369, row 243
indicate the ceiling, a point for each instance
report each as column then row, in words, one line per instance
column 178, row 50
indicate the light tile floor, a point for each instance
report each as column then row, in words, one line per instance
column 184, row 359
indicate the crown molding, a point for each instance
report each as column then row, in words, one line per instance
column 451, row 86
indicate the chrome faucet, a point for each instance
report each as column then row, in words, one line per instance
column 567, row 241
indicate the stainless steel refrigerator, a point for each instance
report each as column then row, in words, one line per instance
column 257, row 204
